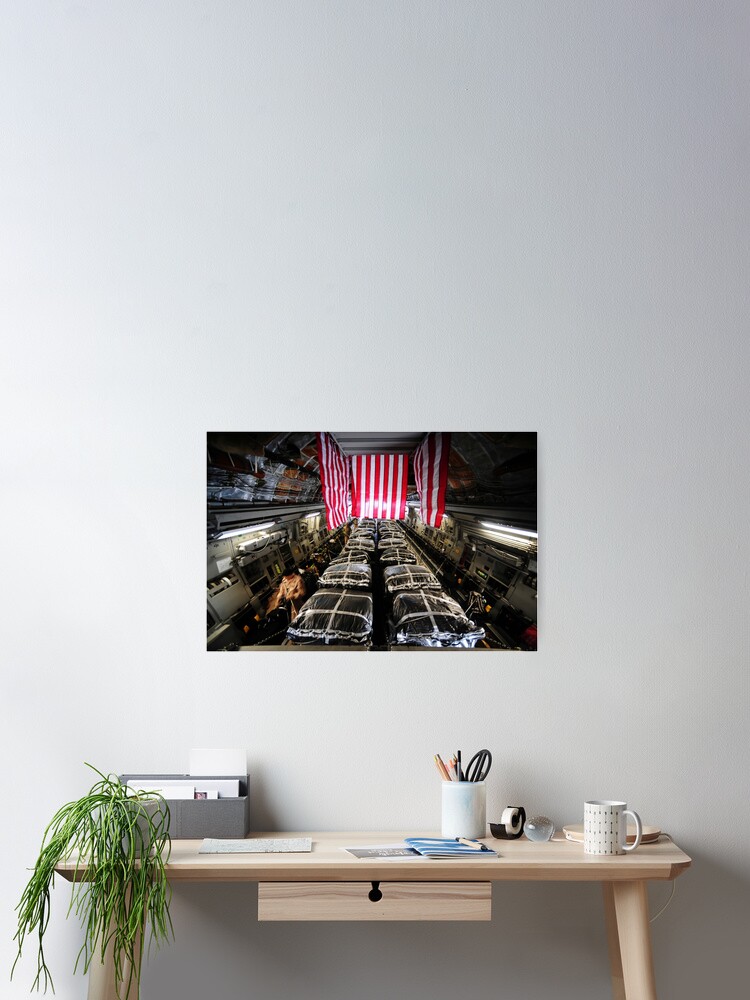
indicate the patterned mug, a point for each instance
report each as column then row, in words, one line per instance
column 605, row 828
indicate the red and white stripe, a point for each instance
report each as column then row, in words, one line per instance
column 379, row 486
column 334, row 478
column 431, row 476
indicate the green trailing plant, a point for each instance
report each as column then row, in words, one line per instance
column 118, row 840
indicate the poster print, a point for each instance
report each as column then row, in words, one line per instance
column 372, row 541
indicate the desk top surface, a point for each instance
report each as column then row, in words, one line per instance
column 518, row 860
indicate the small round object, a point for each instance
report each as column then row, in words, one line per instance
column 539, row 829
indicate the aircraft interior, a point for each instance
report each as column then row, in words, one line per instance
column 372, row 541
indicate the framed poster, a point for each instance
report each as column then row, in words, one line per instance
column 372, row 541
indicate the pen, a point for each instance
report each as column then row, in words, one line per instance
column 458, row 766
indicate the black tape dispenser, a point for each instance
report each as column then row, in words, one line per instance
column 511, row 823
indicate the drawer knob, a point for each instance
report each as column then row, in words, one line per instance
column 375, row 895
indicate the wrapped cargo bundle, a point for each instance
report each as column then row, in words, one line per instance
column 397, row 557
column 389, row 541
column 357, row 530
column 395, row 543
column 423, row 618
column 405, row 577
column 334, row 618
column 363, row 541
column 351, row 555
column 352, row 575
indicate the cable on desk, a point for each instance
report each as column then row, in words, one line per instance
column 671, row 896
column 674, row 888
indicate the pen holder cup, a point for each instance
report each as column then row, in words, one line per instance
column 464, row 811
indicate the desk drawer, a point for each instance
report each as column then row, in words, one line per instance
column 351, row 901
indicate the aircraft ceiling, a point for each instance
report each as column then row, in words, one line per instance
column 492, row 470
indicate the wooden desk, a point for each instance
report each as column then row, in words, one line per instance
column 329, row 884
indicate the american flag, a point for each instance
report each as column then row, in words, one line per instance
column 334, row 478
column 379, row 485
column 431, row 475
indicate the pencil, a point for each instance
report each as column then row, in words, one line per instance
column 442, row 768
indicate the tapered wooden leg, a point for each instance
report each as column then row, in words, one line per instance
column 634, row 934
column 613, row 942
column 102, row 984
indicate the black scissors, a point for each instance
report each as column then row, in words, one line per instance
column 479, row 766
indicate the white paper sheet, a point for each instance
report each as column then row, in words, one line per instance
column 259, row 845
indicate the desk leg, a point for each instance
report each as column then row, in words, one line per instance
column 102, row 979
column 634, row 935
column 613, row 943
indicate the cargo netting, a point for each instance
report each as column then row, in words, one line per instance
column 422, row 618
column 334, row 617
column 353, row 575
column 405, row 577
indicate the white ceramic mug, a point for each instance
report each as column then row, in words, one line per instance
column 464, row 809
column 605, row 829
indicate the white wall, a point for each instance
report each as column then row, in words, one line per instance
column 459, row 216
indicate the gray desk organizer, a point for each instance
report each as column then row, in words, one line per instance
column 194, row 819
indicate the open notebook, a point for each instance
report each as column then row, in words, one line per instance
column 436, row 847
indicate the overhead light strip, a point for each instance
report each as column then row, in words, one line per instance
column 521, row 543
column 506, row 529
column 248, row 529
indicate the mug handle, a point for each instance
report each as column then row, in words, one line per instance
column 638, row 830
